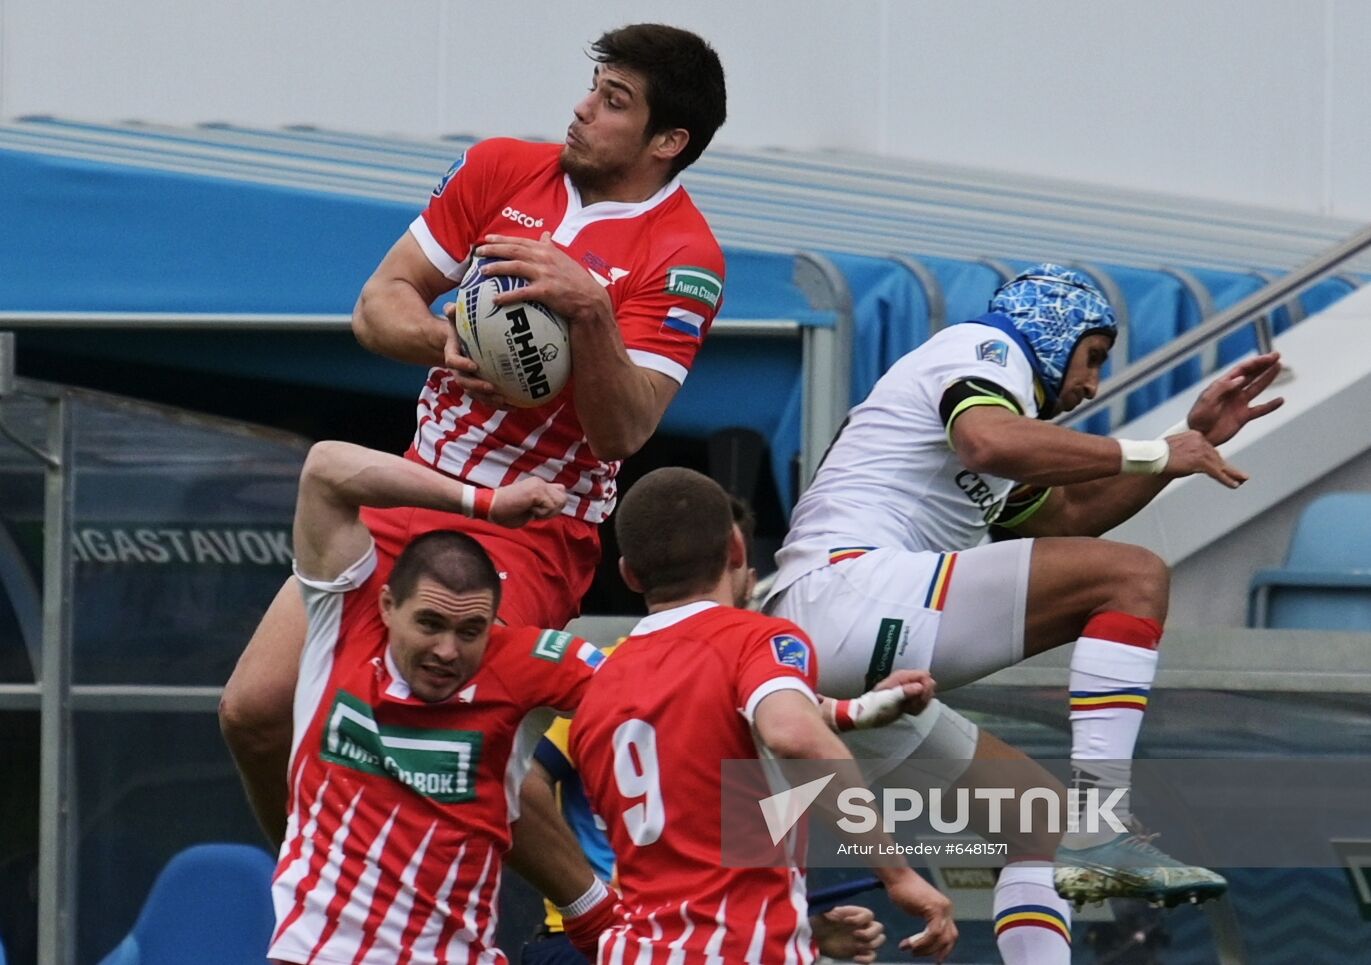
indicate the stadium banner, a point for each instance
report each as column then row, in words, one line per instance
column 1224, row 813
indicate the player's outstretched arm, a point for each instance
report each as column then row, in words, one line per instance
column 903, row 692
column 1094, row 508
column 994, row 440
column 848, row 933
column 392, row 316
column 618, row 403
column 791, row 727
column 339, row 478
column 1222, row 409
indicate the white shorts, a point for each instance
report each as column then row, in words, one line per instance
column 958, row 615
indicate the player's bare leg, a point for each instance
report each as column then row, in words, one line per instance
column 255, row 709
column 1111, row 598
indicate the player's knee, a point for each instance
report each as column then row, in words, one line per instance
column 1140, row 583
column 1152, row 578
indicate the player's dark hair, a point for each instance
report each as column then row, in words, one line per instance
column 451, row 559
column 685, row 81
column 673, row 529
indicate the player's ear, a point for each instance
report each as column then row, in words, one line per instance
column 630, row 578
column 386, row 603
column 670, row 143
column 737, row 549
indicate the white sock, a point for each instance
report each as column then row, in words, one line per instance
column 1112, row 668
column 1032, row 923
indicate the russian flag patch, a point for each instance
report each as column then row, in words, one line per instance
column 686, row 322
column 591, row 655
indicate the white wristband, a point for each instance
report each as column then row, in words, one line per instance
column 1143, row 457
column 466, row 500
column 1177, row 429
column 594, row 895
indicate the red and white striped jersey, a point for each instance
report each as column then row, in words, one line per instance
column 400, row 809
column 658, row 261
column 676, row 700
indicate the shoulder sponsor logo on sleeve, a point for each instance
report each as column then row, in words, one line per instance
column 790, row 651
column 456, row 166
column 691, row 281
column 993, row 351
column 552, row 645
column 683, row 321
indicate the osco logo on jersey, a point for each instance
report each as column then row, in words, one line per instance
column 518, row 217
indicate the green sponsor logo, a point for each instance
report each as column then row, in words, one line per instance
column 883, row 654
column 690, row 281
column 552, row 645
column 438, row 764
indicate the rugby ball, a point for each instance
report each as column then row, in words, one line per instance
column 522, row 348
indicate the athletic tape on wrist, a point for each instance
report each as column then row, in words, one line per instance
column 869, row 710
column 595, row 894
column 1177, row 429
column 466, row 500
column 1143, row 457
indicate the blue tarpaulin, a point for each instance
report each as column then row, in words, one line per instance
column 229, row 221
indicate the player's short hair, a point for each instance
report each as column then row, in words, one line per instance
column 673, row 528
column 685, row 81
column 451, row 559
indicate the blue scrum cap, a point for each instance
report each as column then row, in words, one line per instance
column 1053, row 308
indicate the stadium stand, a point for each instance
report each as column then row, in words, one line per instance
column 1325, row 582
column 211, row 903
column 187, row 237
column 225, row 219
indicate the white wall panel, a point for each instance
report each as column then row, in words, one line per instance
column 1348, row 138
column 337, row 63
column 1195, row 98
column 1258, row 101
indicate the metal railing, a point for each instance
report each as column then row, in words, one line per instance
column 825, row 352
column 1254, row 309
column 56, row 867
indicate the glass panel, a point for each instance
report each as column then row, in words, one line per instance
column 181, row 538
column 21, row 540
column 151, row 785
column 19, row 835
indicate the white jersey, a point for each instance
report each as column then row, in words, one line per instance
column 891, row 477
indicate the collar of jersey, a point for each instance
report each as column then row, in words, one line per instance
column 578, row 215
column 1003, row 323
column 669, row 618
column 396, row 687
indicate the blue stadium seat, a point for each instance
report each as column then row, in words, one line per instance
column 211, row 903
column 1325, row 583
